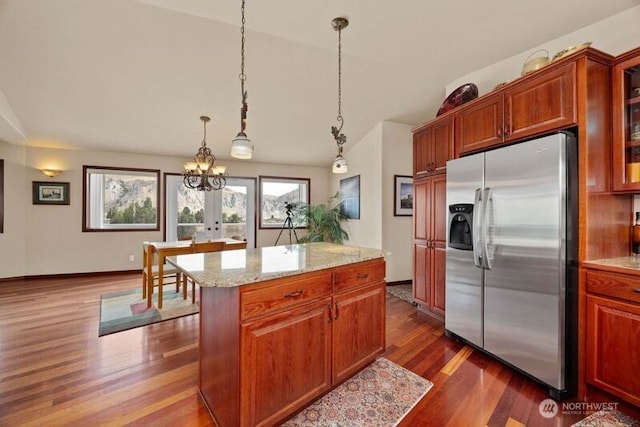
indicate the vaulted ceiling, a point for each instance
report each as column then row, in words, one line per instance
column 135, row 76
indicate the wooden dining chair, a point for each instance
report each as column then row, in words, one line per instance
column 200, row 247
column 168, row 272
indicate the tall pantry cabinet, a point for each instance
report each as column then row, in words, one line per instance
column 432, row 147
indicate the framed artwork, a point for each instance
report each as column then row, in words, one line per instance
column 350, row 196
column 50, row 193
column 402, row 195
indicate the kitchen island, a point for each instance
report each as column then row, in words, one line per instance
column 281, row 325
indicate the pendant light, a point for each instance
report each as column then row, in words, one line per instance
column 241, row 146
column 339, row 163
column 203, row 174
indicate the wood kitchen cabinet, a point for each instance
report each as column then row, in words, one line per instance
column 626, row 122
column 433, row 146
column 430, row 218
column 613, row 334
column 536, row 105
column 297, row 338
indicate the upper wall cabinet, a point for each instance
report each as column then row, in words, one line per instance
column 626, row 122
column 540, row 104
column 433, row 146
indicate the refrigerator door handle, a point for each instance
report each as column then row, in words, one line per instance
column 487, row 216
column 475, row 228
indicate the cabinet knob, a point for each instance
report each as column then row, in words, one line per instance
column 636, row 290
column 362, row 276
column 507, row 129
column 330, row 313
column 337, row 312
column 499, row 132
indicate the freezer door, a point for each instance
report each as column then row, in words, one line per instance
column 463, row 295
column 525, row 185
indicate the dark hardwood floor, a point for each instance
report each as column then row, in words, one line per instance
column 56, row 371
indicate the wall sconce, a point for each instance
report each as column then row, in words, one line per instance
column 51, row 173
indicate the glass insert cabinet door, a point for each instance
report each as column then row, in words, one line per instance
column 626, row 125
column 203, row 215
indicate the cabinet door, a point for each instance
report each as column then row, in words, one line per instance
column 542, row 104
column 438, row 208
column 442, row 143
column 421, row 273
column 286, row 362
column 480, row 125
column 613, row 340
column 422, row 208
column 358, row 329
column 421, row 152
column 626, row 123
column 438, row 283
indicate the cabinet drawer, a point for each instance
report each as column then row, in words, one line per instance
column 613, row 285
column 359, row 274
column 283, row 294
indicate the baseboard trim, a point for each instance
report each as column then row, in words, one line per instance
column 399, row 282
column 67, row 275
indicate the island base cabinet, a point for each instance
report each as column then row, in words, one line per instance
column 358, row 329
column 286, row 362
column 613, row 340
column 268, row 349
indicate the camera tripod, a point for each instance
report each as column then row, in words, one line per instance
column 287, row 224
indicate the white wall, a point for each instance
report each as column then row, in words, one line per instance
column 397, row 231
column 13, row 247
column 614, row 35
column 364, row 159
column 41, row 240
column 384, row 152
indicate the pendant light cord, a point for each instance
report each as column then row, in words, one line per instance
column 339, row 118
column 242, row 76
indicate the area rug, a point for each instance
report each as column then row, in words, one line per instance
column 608, row 419
column 379, row 395
column 124, row 310
column 404, row 292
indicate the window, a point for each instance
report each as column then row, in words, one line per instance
column 227, row 213
column 120, row 199
column 275, row 194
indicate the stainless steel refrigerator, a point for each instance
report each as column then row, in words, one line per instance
column 511, row 274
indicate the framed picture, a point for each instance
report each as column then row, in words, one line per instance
column 50, row 193
column 403, row 195
column 350, row 196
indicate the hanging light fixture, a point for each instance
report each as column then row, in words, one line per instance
column 339, row 163
column 241, row 147
column 203, row 174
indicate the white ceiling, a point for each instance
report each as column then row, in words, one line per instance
column 126, row 75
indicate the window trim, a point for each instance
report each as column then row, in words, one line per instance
column 85, row 199
column 268, row 178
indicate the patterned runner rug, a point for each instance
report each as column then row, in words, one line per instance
column 608, row 419
column 404, row 292
column 124, row 310
column 379, row 395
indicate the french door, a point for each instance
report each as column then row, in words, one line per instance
column 229, row 212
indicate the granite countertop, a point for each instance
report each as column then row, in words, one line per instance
column 243, row 266
column 626, row 264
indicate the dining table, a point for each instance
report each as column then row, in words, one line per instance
column 162, row 250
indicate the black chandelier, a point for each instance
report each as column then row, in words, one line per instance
column 203, row 174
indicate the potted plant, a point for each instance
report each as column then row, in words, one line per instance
column 323, row 221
